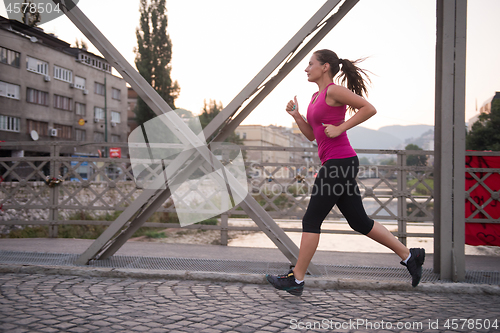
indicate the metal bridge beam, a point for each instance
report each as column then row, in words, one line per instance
column 449, row 140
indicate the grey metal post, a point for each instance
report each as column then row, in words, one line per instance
column 54, row 191
column 402, row 188
column 223, row 229
column 449, row 248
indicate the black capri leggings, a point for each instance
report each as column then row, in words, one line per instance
column 336, row 184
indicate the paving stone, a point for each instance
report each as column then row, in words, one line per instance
column 48, row 330
column 159, row 330
column 78, row 330
column 38, row 303
column 64, row 326
column 19, row 330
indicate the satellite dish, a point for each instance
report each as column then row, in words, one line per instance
column 34, row 135
column 33, row 39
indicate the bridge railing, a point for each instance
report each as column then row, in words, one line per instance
column 57, row 187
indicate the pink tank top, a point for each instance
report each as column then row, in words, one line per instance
column 318, row 113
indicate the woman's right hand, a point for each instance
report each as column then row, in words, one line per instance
column 293, row 107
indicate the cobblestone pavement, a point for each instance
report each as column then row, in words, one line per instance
column 54, row 303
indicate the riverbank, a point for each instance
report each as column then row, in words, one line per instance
column 328, row 242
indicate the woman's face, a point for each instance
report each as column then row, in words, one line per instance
column 315, row 69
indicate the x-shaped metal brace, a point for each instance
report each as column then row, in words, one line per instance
column 221, row 126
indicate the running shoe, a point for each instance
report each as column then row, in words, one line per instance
column 286, row 282
column 414, row 265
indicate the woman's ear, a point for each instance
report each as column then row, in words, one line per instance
column 326, row 67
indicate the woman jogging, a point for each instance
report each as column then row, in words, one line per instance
column 335, row 182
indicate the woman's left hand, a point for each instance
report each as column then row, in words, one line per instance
column 332, row 131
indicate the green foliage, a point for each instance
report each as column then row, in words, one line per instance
column 298, row 189
column 63, row 231
column 89, row 231
column 364, row 161
column 29, row 232
column 210, row 221
column 421, row 188
column 415, row 160
column 411, row 207
column 388, row 161
column 153, row 56
column 80, row 231
column 155, row 234
column 485, row 134
column 209, row 112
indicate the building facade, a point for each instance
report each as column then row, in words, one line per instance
column 50, row 91
column 131, row 104
column 274, row 136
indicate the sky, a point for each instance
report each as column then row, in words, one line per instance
column 220, row 45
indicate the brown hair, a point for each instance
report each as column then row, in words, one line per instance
column 351, row 76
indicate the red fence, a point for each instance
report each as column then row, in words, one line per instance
column 482, row 185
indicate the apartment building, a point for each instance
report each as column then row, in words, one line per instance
column 50, row 91
column 274, row 136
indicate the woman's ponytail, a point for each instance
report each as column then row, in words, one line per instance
column 353, row 77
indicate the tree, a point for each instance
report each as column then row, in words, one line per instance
column 485, row 134
column 364, row 161
column 388, row 161
column 416, row 160
column 81, row 44
column 153, row 56
column 209, row 111
column 31, row 15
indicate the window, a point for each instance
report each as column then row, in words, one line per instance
column 10, row 57
column 41, row 127
column 62, row 102
column 63, row 131
column 9, row 124
column 63, row 74
column 115, row 138
column 116, row 93
column 84, row 58
column 96, row 63
column 80, row 109
column 99, row 88
column 115, row 117
column 9, row 90
column 80, row 135
column 98, row 113
column 98, row 137
column 37, row 97
column 37, row 66
column 79, row 82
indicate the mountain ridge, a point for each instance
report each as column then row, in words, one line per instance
column 387, row 137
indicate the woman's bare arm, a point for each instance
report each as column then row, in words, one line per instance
column 304, row 126
column 338, row 95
